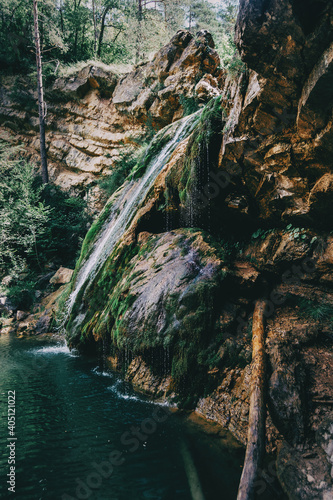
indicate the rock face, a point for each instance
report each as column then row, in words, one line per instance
column 155, row 294
column 240, row 212
column 278, row 140
column 62, row 276
column 95, row 115
column 174, row 304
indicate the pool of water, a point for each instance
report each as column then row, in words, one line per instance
column 84, row 433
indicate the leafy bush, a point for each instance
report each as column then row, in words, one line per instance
column 124, row 165
column 317, row 311
column 38, row 224
column 23, row 215
column 67, row 224
column 22, row 98
column 236, row 66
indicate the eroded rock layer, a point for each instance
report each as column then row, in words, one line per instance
column 96, row 114
column 241, row 211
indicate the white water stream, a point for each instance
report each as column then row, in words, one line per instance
column 119, row 221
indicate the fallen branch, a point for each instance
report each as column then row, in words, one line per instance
column 191, row 473
column 257, row 414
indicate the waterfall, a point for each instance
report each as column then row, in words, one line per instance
column 126, row 203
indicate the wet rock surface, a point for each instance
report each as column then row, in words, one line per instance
column 241, row 211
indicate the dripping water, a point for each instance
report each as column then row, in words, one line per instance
column 124, row 210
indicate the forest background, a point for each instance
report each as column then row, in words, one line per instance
column 112, row 31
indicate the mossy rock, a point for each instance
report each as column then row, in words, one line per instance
column 161, row 294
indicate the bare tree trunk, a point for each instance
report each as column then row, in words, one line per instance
column 95, row 27
column 61, row 20
column 41, row 104
column 256, row 430
column 139, row 34
column 140, row 10
column 82, row 38
column 190, row 18
column 101, row 33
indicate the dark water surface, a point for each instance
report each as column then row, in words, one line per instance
column 70, row 416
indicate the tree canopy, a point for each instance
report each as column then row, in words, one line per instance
column 113, row 31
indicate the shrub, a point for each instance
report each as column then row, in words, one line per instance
column 23, row 215
column 236, row 67
column 123, row 166
column 38, row 224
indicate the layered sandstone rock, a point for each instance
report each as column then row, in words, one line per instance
column 95, row 115
column 174, row 304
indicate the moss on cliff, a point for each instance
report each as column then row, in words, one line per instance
column 186, row 181
column 92, row 234
column 162, row 294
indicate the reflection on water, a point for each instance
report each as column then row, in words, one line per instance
column 83, row 433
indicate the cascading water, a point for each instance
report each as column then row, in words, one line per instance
column 126, row 204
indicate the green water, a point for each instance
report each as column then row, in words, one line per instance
column 71, row 417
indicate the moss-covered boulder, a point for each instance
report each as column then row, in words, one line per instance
column 159, row 294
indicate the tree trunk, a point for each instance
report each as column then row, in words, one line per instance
column 61, row 21
column 76, row 36
column 190, row 18
column 140, row 10
column 41, row 104
column 82, row 39
column 95, row 27
column 101, row 33
column 139, row 34
column 256, row 430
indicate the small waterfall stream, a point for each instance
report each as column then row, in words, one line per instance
column 124, row 211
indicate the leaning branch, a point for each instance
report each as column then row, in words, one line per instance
column 256, row 429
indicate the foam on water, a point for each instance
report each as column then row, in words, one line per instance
column 55, row 349
column 116, row 389
column 122, row 395
column 97, row 371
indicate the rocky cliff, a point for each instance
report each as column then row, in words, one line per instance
column 240, row 211
column 96, row 114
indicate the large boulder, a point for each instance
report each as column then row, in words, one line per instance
column 78, row 84
column 160, row 89
column 278, row 132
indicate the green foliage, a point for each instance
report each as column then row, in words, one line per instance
column 317, row 311
column 22, row 98
column 194, row 174
column 261, row 234
column 23, row 215
column 148, row 153
column 227, row 249
column 68, row 33
column 124, row 165
column 38, row 224
column 189, row 104
column 120, row 171
column 236, row 67
column 67, row 224
column 296, row 232
column 23, row 292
